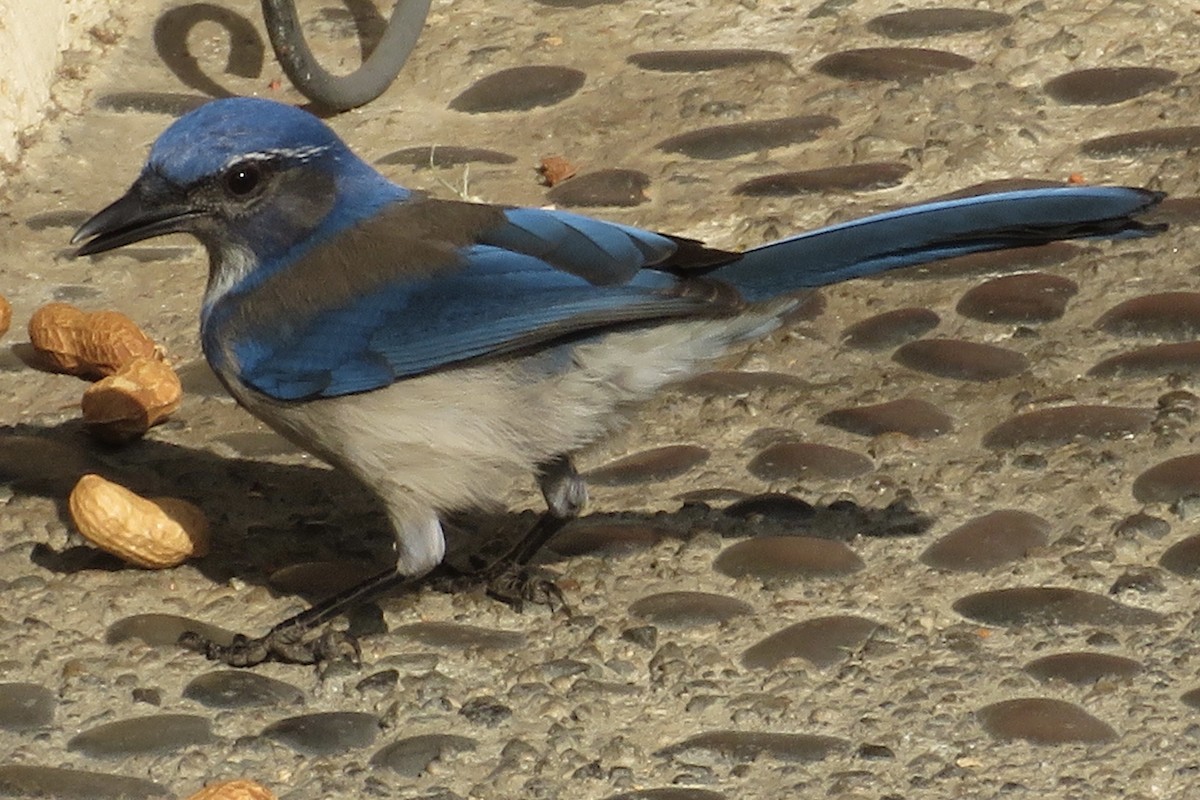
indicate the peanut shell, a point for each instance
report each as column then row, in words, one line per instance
column 234, row 790
column 123, row 406
column 154, row 533
column 88, row 345
column 556, row 169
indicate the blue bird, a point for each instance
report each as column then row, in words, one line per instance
column 438, row 350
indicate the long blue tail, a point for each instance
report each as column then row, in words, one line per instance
column 930, row 231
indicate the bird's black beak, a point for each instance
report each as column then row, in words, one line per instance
column 151, row 207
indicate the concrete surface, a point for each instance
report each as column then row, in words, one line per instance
column 834, row 663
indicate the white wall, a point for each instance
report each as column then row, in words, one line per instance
column 33, row 36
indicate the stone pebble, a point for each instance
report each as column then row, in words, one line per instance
column 774, row 506
column 1144, row 142
column 1165, row 315
column 740, row 138
column 410, row 756
column 591, row 538
column 657, row 464
column 162, row 630
column 1183, row 557
column 321, row 579
column 736, row 383
column 800, row 460
column 1169, row 481
column 1179, row 358
column 155, row 734
column 745, row 746
column 705, row 60
column 823, row 642
column 1050, row 605
column 1023, row 299
column 890, row 328
column 29, row 780
column 26, row 706
column 519, row 89
column 668, row 793
column 236, row 688
column 961, row 360
column 689, row 609
column 1043, row 720
column 1083, row 668
column 326, row 733
column 1051, row 427
column 615, row 187
column 786, row 558
column 913, row 417
column 943, row 21
column 1101, row 86
column 445, row 155
column 847, row 178
column 174, row 104
column 456, row 636
column 988, row 541
column 900, row 64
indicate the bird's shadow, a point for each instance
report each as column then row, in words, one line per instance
column 266, row 515
column 263, row 514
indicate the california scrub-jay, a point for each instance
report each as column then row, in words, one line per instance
column 438, row 349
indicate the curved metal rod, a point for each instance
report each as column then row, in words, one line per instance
column 343, row 92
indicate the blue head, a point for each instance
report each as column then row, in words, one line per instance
column 252, row 179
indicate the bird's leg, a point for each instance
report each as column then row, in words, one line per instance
column 289, row 641
column 509, row 578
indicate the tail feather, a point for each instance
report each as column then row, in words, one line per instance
column 932, row 231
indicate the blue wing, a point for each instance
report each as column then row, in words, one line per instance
column 939, row 229
column 428, row 283
column 602, row 253
column 501, row 280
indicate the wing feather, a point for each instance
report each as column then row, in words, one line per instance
column 429, row 284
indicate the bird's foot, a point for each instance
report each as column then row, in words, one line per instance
column 517, row 585
column 510, row 583
column 287, row 643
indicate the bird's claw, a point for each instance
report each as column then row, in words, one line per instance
column 287, row 644
column 520, row 585
column 512, row 584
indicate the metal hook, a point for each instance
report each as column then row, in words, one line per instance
column 343, row 92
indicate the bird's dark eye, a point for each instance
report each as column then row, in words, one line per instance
column 242, row 180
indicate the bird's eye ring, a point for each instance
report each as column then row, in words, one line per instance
column 243, row 179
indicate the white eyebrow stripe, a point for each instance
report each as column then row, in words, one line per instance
column 291, row 153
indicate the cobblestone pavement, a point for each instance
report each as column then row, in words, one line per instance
column 981, row 578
